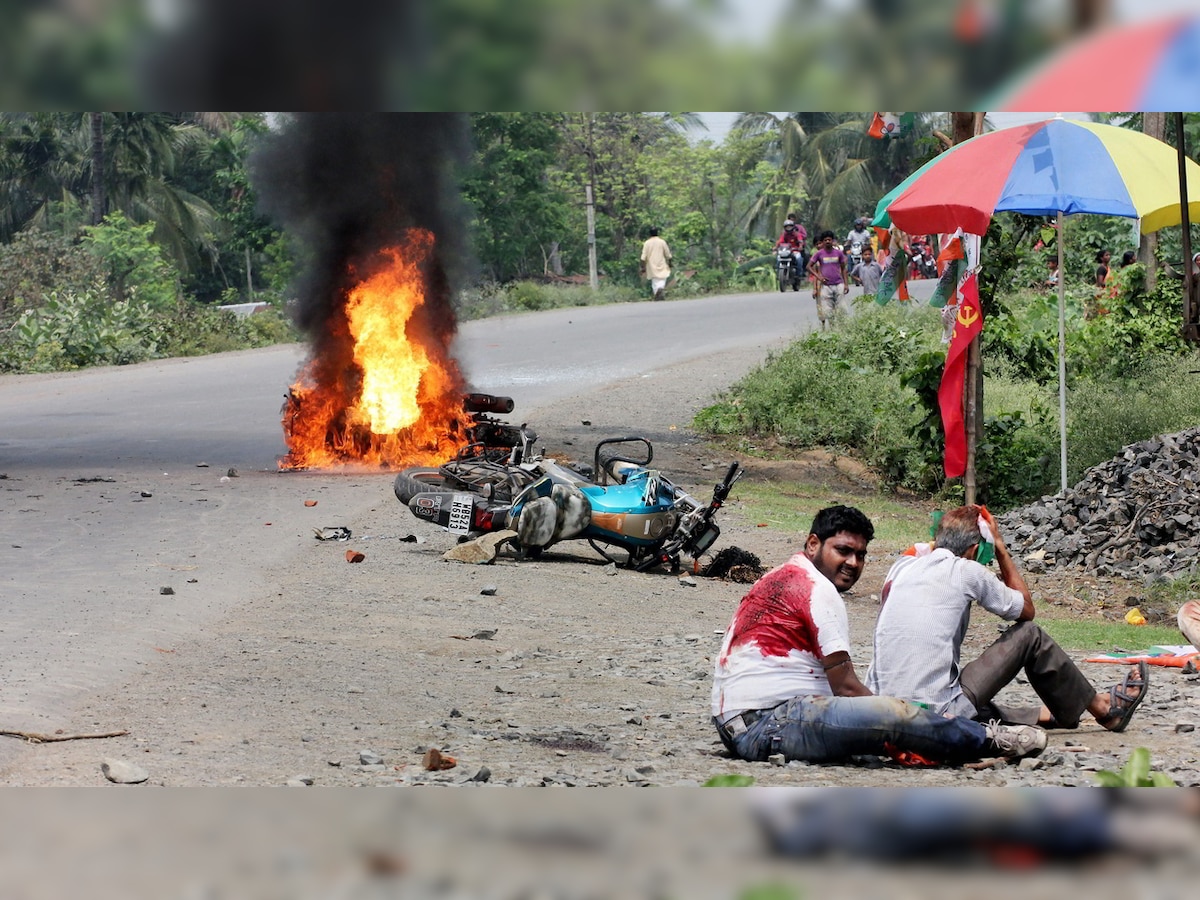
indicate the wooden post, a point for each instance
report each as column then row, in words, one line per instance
column 964, row 126
column 1191, row 328
column 593, row 273
column 972, row 415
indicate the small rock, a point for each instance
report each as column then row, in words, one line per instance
column 166, row 590
column 687, row 581
column 146, row 494
column 232, row 473
column 300, row 781
column 777, row 759
column 120, row 772
column 610, row 569
column 355, row 689
column 489, row 590
column 484, row 774
column 481, row 551
column 1184, row 727
column 369, row 758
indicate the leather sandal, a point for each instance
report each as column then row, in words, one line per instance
column 1124, row 703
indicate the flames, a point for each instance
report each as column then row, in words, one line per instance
column 382, row 390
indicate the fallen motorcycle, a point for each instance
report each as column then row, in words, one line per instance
column 620, row 502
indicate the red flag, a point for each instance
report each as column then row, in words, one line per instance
column 950, row 394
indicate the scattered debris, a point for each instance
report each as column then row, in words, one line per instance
column 482, row 550
column 310, row 502
column 735, row 564
column 35, row 737
column 332, row 533
column 355, row 556
column 435, row 760
column 120, row 772
column 412, row 539
column 96, row 479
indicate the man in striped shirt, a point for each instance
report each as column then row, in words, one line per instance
column 926, row 608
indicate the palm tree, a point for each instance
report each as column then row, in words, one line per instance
column 830, row 170
column 59, row 162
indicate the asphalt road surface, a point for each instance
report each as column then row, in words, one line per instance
column 137, row 503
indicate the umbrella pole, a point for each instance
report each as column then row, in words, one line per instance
column 1062, row 355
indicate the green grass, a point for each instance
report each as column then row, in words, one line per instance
column 1103, row 637
column 791, row 505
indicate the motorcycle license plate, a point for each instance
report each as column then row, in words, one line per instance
column 461, row 506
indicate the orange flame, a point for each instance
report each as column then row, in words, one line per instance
column 384, row 389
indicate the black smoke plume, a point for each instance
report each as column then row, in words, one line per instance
column 345, row 185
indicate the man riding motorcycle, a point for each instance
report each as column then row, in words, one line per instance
column 856, row 239
column 792, row 239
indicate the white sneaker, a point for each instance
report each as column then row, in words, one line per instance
column 1016, row 740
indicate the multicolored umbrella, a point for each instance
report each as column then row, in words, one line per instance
column 1059, row 165
column 1151, row 66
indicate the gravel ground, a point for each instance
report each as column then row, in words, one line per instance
column 569, row 672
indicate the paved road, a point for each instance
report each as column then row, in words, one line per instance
column 120, row 526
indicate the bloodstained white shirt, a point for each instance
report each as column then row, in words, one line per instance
column 786, row 624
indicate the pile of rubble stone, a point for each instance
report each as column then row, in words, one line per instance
column 1136, row 515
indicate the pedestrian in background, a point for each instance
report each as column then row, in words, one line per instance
column 828, row 268
column 656, row 264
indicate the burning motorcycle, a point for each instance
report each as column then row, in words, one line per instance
column 618, row 502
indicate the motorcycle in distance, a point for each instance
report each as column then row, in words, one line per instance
column 854, row 252
column 620, row 503
column 789, row 268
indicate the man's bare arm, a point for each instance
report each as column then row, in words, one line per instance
column 842, row 677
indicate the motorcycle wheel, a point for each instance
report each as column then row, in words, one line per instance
column 783, row 281
column 415, row 481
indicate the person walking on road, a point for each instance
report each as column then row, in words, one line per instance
column 656, row 264
column 828, row 267
column 868, row 273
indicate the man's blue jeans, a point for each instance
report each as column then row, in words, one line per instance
column 831, row 729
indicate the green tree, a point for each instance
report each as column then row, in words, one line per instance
column 48, row 169
column 704, row 193
column 829, row 170
column 604, row 150
column 520, row 218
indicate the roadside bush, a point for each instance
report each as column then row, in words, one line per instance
column 1160, row 396
column 74, row 330
column 838, row 389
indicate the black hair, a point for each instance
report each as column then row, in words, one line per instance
column 1128, row 258
column 828, row 234
column 653, row 231
column 833, row 519
column 1100, row 254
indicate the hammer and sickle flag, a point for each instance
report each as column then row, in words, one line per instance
column 950, row 393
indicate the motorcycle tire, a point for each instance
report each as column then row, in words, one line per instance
column 415, row 481
column 782, row 282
